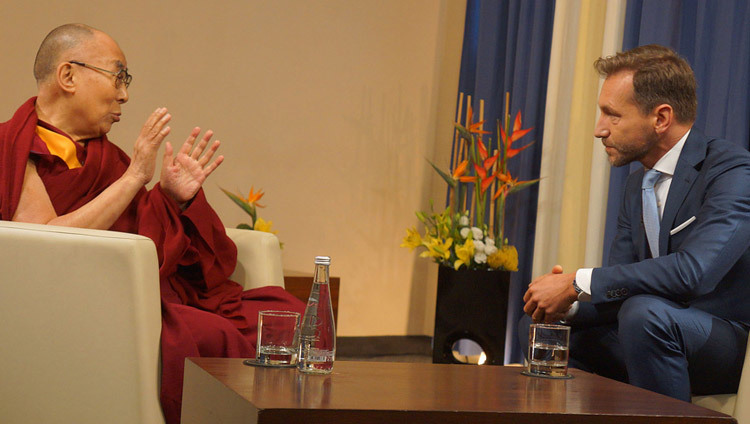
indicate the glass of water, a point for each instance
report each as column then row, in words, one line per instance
column 548, row 350
column 278, row 338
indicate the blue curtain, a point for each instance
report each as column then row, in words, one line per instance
column 714, row 37
column 506, row 49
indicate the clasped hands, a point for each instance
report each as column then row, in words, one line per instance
column 181, row 175
column 550, row 296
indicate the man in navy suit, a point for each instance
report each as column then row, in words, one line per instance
column 671, row 311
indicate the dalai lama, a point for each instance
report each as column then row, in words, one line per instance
column 58, row 167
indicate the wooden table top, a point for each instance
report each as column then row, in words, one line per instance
column 365, row 392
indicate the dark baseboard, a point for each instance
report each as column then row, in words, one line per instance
column 383, row 346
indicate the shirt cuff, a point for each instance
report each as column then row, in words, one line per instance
column 571, row 312
column 583, row 280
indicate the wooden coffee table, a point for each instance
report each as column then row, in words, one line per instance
column 224, row 390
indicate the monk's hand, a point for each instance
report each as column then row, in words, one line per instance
column 143, row 162
column 550, row 296
column 183, row 175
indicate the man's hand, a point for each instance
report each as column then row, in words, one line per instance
column 147, row 144
column 549, row 297
column 182, row 176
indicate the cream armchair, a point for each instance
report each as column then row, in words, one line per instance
column 736, row 405
column 80, row 321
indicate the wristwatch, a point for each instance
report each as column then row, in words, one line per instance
column 582, row 295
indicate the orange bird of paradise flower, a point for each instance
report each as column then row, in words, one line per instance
column 252, row 198
column 516, row 134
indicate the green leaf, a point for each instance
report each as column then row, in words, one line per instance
column 448, row 179
column 464, row 133
column 523, row 185
column 240, row 202
column 244, row 226
column 421, row 216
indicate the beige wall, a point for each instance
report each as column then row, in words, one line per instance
column 329, row 106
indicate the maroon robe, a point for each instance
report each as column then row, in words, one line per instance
column 203, row 312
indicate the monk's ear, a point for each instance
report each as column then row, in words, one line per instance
column 65, row 77
column 663, row 118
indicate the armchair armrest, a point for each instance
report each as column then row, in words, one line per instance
column 80, row 323
column 258, row 259
column 742, row 409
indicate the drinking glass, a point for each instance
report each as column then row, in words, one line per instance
column 548, row 350
column 278, row 338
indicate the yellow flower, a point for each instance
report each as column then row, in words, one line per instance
column 263, row 225
column 464, row 252
column 437, row 248
column 412, row 239
column 505, row 258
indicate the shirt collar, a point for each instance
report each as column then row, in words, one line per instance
column 667, row 163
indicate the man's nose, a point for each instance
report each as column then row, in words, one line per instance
column 601, row 130
column 122, row 95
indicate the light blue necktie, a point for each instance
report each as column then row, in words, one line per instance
column 651, row 218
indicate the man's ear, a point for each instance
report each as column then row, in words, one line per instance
column 664, row 118
column 66, row 78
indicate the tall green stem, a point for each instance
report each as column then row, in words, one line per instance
column 500, row 220
column 479, row 196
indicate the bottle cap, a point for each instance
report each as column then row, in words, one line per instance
column 322, row 260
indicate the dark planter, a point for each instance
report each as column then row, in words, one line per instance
column 471, row 305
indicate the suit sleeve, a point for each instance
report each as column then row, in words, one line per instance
column 707, row 251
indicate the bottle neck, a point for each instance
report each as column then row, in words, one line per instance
column 321, row 274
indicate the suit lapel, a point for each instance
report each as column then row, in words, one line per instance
column 639, row 236
column 693, row 153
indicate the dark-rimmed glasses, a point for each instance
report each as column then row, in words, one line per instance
column 122, row 77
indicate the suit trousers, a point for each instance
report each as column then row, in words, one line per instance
column 659, row 345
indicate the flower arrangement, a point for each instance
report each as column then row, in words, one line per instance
column 249, row 205
column 469, row 233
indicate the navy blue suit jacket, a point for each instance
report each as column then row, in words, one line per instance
column 707, row 263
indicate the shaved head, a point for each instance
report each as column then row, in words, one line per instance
column 81, row 75
column 58, row 41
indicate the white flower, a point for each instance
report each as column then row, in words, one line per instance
column 480, row 257
column 489, row 249
column 489, row 242
column 478, row 233
column 465, row 232
column 478, row 245
column 463, row 221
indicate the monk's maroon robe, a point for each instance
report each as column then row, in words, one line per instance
column 203, row 312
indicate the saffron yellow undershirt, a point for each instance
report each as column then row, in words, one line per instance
column 60, row 146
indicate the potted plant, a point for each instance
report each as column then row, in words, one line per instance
column 467, row 238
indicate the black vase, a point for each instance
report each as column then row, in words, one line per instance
column 472, row 305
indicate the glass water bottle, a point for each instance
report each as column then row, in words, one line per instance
column 317, row 330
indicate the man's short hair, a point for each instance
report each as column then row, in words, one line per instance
column 660, row 76
column 59, row 40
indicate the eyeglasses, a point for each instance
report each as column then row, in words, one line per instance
column 122, row 77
